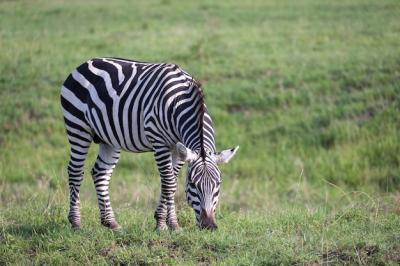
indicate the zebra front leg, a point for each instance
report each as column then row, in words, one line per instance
column 165, row 212
column 101, row 173
column 172, row 220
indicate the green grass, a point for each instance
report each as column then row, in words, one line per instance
column 292, row 236
column 308, row 89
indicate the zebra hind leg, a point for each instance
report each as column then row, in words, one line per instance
column 79, row 149
column 101, row 173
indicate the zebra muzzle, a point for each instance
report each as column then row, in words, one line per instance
column 207, row 220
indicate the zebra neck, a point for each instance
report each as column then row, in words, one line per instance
column 195, row 138
column 192, row 121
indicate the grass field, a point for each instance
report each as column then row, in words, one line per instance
column 308, row 89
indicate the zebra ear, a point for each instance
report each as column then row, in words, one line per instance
column 225, row 155
column 185, row 154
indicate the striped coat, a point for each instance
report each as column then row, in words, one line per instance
column 141, row 107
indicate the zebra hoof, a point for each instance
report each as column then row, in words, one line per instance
column 113, row 225
column 175, row 227
column 75, row 221
column 75, row 226
column 160, row 229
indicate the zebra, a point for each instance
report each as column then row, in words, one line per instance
column 127, row 105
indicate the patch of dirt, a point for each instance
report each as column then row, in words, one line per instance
column 210, row 247
column 33, row 115
column 389, row 204
column 366, row 115
column 173, row 248
column 393, row 255
column 153, row 243
column 107, row 251
column 27, row 116
column 32, row 252
column 396, row 207
column 203, row 261
column 8, row 127
column 350, row 255
column 311, row 263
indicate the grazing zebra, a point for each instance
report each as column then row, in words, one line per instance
column 139, row 107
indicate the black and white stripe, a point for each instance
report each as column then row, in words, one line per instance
column 140, row 107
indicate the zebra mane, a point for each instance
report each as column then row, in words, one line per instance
column 201, row 118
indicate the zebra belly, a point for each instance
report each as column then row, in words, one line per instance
column 120, row 129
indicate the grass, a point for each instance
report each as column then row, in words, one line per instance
column 291, row 236
column 308, row 89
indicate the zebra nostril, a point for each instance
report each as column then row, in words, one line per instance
column 211, row 226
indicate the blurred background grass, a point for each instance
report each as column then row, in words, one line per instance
column 308, row 89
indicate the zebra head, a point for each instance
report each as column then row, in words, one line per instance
column 203, row 181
